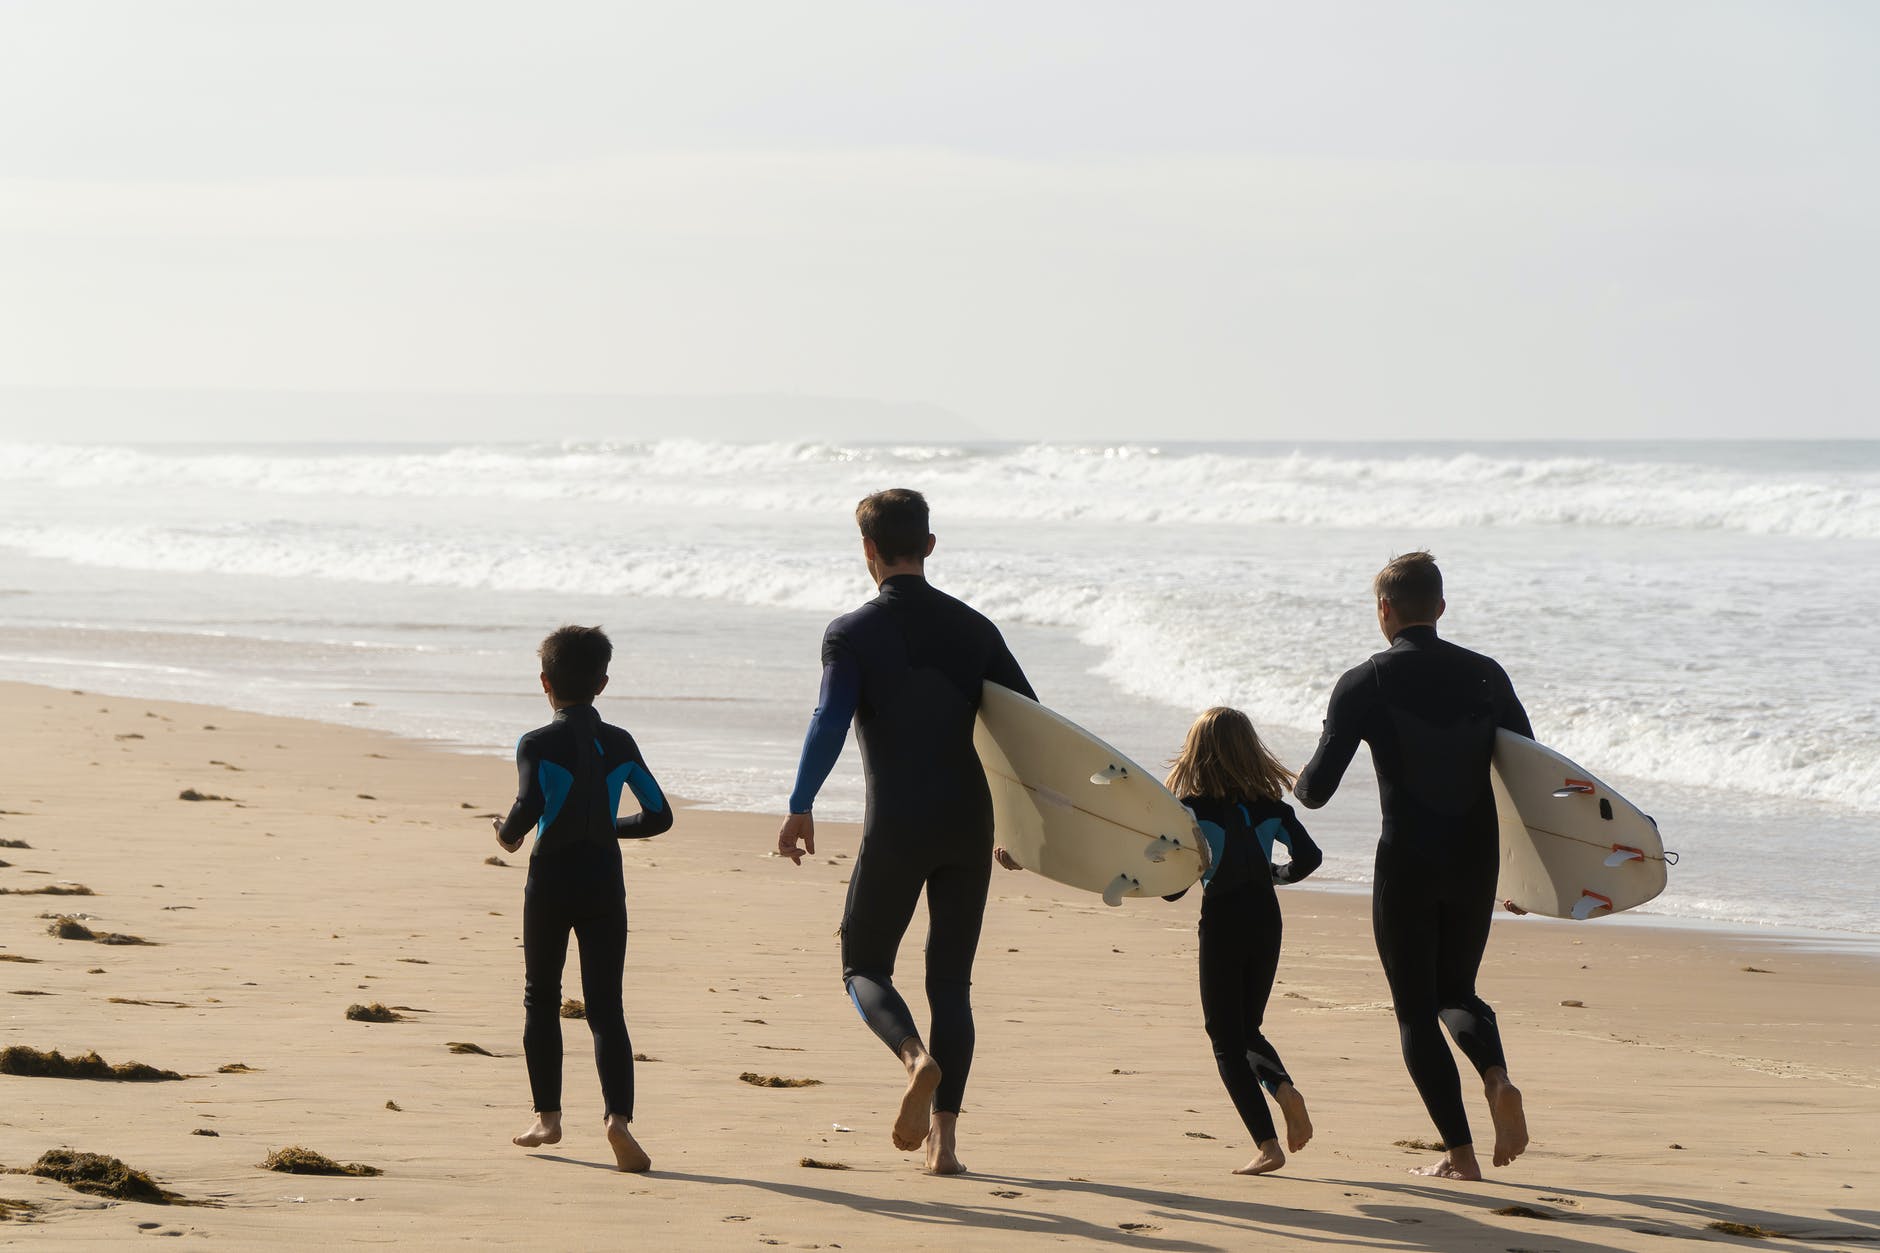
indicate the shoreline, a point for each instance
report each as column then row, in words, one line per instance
column 348, row 866
column 1849, row 943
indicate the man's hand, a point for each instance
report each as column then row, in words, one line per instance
column 1512, row 908
column 1005, row 859
column 796, row 827
column 505, row 845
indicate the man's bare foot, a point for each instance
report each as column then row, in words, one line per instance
column 943, row 1147
column 923, row 1076
column 628, row 1154
column 1269, row 1157
column 1504, row 1106
column 1457, row 1163
column 547, row 1130
column 1298, row 1123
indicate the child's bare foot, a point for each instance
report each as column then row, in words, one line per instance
column 923, row 1076
column 1456, row 1163
column 1504, row 1107
column 547, row 1130
column 943, row 1147
column 1298, row 1123
column 1269, row 1158
column 628, row 1154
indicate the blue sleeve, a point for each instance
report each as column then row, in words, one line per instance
column 655, row 816
column 828, row 728
column 527, row 810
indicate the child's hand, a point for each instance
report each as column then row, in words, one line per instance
column 1512, row 908
column 1005, row 859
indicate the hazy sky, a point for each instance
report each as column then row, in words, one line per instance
column 1064, row 219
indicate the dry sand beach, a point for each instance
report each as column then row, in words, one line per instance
column 1682, row 1085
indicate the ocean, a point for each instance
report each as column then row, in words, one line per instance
column 1697, row 623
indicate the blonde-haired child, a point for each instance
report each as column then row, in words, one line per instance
column 1235, row 788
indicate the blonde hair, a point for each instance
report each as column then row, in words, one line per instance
column 1223, row 757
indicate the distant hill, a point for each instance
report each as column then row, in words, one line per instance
column 102, row 415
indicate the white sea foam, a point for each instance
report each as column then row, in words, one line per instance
column 1697, row 627
column 1168, row 632
column 1133, row 484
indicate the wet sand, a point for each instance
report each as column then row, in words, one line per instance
column 346, row 868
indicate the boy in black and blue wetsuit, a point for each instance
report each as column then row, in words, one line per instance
column 1233, row 785
column 908, row 668
column 571, row 775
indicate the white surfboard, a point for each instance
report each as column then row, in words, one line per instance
column 1073, row 809
column 1571, row 847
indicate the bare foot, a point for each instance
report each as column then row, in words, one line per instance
column 1298, row 1123
column 923, row 1076
column 943, row 1147
column 547, row 1130
column 1457, row 1163
column 628, row 1154
column 1504, row 1106
column 1269, row 1158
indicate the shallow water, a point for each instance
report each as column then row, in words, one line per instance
column 1693, row 622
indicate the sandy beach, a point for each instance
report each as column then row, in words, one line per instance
column 1682, row 1084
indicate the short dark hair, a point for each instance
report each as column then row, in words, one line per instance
column 574, row 661
column 1413, row 586
column 896, row 520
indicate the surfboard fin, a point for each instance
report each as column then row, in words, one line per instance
column 1109, row 774
column 1589, row 903
column 1621, row 854
column 1162, row 846
column 1113, row 895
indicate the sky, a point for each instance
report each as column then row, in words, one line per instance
column 1058, row 219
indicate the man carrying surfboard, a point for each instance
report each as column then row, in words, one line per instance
column 907, row 668
column 1429, row 711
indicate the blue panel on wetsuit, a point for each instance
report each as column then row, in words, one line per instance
column 1217, row 848
column 645, row 789
column 1271, row 832
column 556, row 784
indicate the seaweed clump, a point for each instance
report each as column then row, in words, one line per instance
column 816, row 1163
column 11, row 1209
column 51, row 889
column 571, row 1008
column 17, row 1059
column 1752, row 1231
column 191, row 794
column 235, row 1068
column 66, row 927
column 777, row 1081
column 296, row 1159
column 374, row 1012
column 15, row 957
column 96, row 1174
column 464, row 1046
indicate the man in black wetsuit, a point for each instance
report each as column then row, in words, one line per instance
column 907, row 667
column 1429, row 711
column 570, row 777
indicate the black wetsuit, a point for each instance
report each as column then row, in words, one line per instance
column 571, row 773
column 1429, row 711
column 1240, row 938
column 908, row 667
